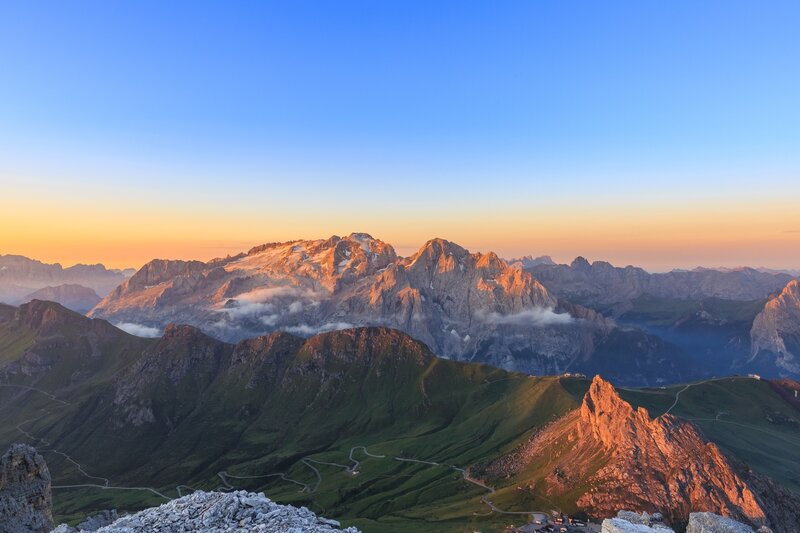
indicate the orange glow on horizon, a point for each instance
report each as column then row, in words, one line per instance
column 655, row 237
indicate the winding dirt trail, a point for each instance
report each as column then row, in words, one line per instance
column 106, row 487
column 225, row 476
column 677, row 397
column 49, row 449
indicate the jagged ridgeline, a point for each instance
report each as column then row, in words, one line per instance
column 365, row 425
column 529, row 316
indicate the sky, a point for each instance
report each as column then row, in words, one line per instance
column 661, row 134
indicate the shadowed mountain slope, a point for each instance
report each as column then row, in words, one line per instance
column 365, row 424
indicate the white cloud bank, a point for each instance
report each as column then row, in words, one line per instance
column 537, row 317
column 139, row 330
column 305, row 329
column 259, row 303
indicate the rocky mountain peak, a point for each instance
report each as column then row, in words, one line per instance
column 491, row 261
column 603, row 400
column 438, row 251
column 182, row 331
column 329, row 261
column 160, row 270
column 580, row 262
column 367, row 345
column 184, row 349
column 528, row 261
column 42, row 315
column 25, row 499
column 70, row 295
column 632, row 461
column 362, row 237
column 610, row 418
column 776, row 329
column 791, row 293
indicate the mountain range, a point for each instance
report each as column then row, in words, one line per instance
column 77, row 287
column 367, row 425
column 529, row 315
column 600, row 284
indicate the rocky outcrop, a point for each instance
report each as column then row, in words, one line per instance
column 625, row 459
column 25, row 499
column 72, row 296
column 93, row 523
column 630, row 522
column 217, row 511
column 776, row 330
column 619, row 525
column 673, row 466
column 463, row 305
column 712, row 523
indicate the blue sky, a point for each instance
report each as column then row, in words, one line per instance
column 413, row 105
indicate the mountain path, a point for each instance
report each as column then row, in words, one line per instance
column 353, row 470
column 48, row 449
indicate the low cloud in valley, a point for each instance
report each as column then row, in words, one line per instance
column 140, row 330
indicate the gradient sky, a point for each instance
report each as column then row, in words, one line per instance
column 663, row 134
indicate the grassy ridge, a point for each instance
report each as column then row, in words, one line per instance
column 296, row 400
column 259, row 409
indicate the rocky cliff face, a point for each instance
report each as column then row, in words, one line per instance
column 664, row 462
column 463, row 305
column 623, row 458
column 776, row 330
column 25, row 499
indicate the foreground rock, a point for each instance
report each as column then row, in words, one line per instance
column 630, row 522
column 620, row 525
column 712, row 523
column 25, row 500
column 221, row 512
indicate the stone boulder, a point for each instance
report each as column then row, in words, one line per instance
column 620, row 525
column 25, row 498
column 712, row 523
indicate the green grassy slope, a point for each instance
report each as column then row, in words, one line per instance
column 260, row 410
column 156, row 414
